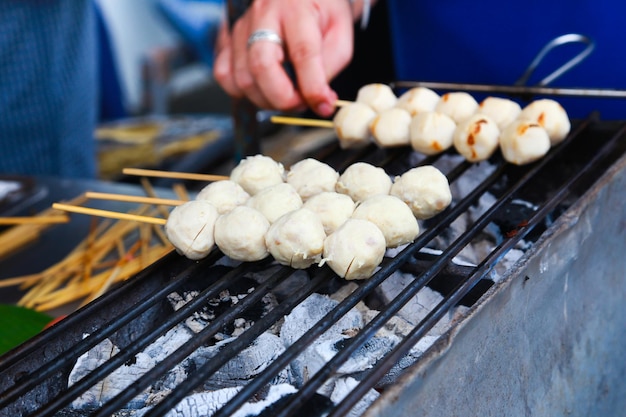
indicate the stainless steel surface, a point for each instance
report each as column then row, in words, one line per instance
column 514, row 89
column 550, row 339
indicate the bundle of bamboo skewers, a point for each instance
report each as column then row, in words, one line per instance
column 113, row 250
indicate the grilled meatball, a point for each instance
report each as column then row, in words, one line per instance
column 431, row 132
column 392, row 216
column 275, row 201
column 458, row 105
column 425, row 189
column 296, row 239
column 352, row 125
column 190, row 228
column 378, row 96
column 523, row 142
column 418, row 100
column 355, row 250
column 391, row 127
column 225, row 195
column 362, row 180
column 240, row 234
column 333, row 209
column 310, row 177
column 550, row 115
column 476, row 138
column 257, row 172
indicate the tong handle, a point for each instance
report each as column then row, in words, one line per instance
column 554, row 43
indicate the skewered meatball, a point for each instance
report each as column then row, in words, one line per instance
column 418, row 100
column 391, row 127
column 378, row 96
column 190, row 228
column 523, row 142
column 458, row 105
column 550, row 115
column 224, row 195
column 425, row 189
column 355, row 250
column 362, row 180
column 501, row 110
column 431, row 132
column 392, row 216
column 352, row 125
column 257, row 172
column 240, row 234
column 275, row 201
column 310, row 177
column 333, row 209
column 296, row 239
column 476, row 138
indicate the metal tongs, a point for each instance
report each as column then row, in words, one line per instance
column 519, row 88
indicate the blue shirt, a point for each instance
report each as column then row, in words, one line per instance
column 48, row 78
column 494, row 41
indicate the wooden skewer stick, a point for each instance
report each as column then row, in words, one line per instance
column 341, row 103
column 178, row 175
column 108, row 214
column 133, row 198
column 8, row 221
column 299, row 121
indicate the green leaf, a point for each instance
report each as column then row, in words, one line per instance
column 18, row 324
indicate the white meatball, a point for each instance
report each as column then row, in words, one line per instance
column 362, row 180
column 391, row 127
column 332, row 208
column 418, row 100
column 352, row 125
column 458, row 105
column 275, row 201
column 296, row 239
column 476, row 138
column 523, row 142
column 240, row 234
column 392, row 216
column 310, row 177
column 378, row 96
column 355, row 250
column 257, row 172
column 431, row 132
column 190, row 228
column 501, row 110
column 550, row 115
column 224, row 195
column 425, row 189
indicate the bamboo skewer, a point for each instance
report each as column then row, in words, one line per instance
column 133, row 199
column 178, row 175
column 9, row 221
column 108, row 214
column 300, row 121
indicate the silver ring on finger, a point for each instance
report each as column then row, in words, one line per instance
column 266, row 35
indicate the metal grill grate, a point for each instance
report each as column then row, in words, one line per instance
column 34, row 377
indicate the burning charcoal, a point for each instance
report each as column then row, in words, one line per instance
column 418, row 307
column 343, row 386
column 305, row 316
column 249, row 363
column 126, row 374
column 200, row 404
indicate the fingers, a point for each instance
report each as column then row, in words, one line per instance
column 304, row 46
column 222, row 67
column 317, row 42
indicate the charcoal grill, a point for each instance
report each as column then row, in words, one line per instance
column 547, row 339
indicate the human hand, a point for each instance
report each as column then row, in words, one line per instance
column 317, row 41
